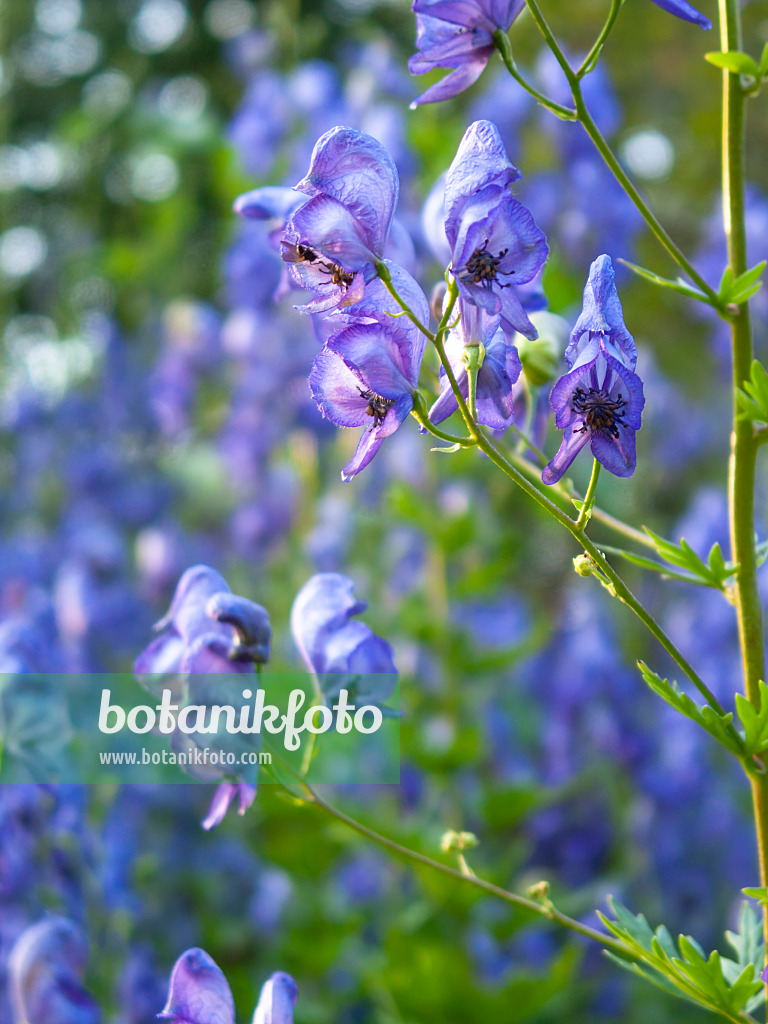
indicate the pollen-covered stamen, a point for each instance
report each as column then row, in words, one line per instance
column 483, row 267
column 600, row 411
column 377, row 406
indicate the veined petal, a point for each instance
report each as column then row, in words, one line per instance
column 374, row 437
column 480, row 160
column 337, row 391
column 617, row 454
column 271, row 203
column 571, row 445
column 601, row 314
column 326, row 225
column 385, row 358
column 357, row 171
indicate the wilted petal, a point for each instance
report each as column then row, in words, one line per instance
column 357, row 171
column 198, row 992
column 276, row 1000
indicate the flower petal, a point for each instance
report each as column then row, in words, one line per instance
column 682, row 9
column 480, row 160
column 456, row 82
column 373, row 438
column 198, row 992
column 357, row 171
column 277, row 1000
column 336, row 390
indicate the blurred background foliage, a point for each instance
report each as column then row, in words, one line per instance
column 155, row 413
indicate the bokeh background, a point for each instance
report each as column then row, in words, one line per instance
column 154, row 413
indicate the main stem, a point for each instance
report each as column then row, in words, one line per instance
column 741, row 477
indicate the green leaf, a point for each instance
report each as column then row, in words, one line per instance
column 715, row 982
column 754, row 720
column 752, row 399
column 735, row 61
column 664, row 282
column 764, row 61
column 737, row 290
column 704, row 716
column 759, row 893
column 712, row 573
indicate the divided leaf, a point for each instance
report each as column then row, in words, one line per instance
column 735, row 290
column 755, row 721
column 704, row 716
column 712, row 573
column 752, row 399
column 726, row 986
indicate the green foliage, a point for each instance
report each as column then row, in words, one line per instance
column 716, row 725
column 729, row 987
column 752, row 399
column 735, row 290
column 733, row 60
column 755, row 721
column 678, row 285
column 759, row 893
column 712, row 573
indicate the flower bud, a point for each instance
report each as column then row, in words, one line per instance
column 541, row 358
column 455, row 842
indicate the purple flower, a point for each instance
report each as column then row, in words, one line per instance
column 207, row 629
column 277, row 1000
column 457, row 34
column 198, row 992
column 366, row 376
column 601, row 399
column 45, row 968
column 499, row 370
column 336, row 647
column 332, row 241
column 683, row 10
column 494, row 241
column 225, row 793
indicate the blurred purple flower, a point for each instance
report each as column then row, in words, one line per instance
column 457, row 34
column 276, row 1000
column 333, row 645
column 45, row 968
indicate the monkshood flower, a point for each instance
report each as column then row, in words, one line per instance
column 207, row 629
column 45, row 968
column 457, row 34
column 366, row 376
column 332, row 241
column 600, row 400
column 494, row 241
column 499, row 370
column 199, row 994
column 682, row 9
column 342, row 652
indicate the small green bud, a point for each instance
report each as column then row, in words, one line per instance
column 539, row 891
column 456, row 842
column 541, row 357
column 584, row 564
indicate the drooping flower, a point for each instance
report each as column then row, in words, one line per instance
column 332, row 241
column 207, row 629
column 45, row 970
column 499, row 370
column 682, row 9
column 495, row 243
column 341, row 651
column 600, row 400
column 457, row 34
column 366, row 376
column 199, row 994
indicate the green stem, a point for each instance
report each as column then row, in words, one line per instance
column 589, row 498
column 743, row 446
column 589, row 62
column 473, row 356
column 383, row 271
column 503, row 45
column 523, row 902
column 613, row 164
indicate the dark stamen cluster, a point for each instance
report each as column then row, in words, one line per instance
column 377, row 406
column 483, row 267
column 600, row 411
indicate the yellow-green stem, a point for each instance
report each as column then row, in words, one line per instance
column 741, row 477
